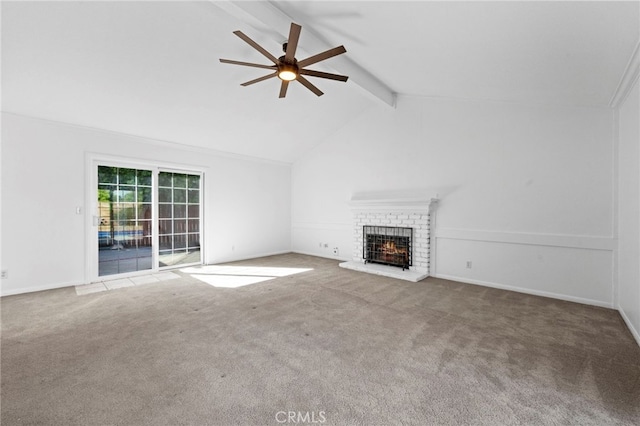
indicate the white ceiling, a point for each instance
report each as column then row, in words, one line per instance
column 151, row 68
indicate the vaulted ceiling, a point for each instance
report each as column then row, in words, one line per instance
column 151, row 69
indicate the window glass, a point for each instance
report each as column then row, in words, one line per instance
column 179, row 237
column 125, row 225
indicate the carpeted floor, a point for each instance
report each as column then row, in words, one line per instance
column 326, row 346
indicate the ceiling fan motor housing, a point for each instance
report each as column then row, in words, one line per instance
column 287, row 71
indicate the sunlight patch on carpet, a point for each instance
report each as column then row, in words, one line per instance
column 228, row 276
column 230, row 281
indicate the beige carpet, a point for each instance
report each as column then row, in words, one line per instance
column 329, row 345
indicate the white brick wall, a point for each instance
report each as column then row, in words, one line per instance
column 419, row 221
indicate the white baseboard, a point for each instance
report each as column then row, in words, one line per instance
column 308, row 253
column 247, row 257
column 632, row 329
column 528, row 291
column 34, row 289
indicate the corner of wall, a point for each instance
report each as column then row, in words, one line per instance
column 626, row 196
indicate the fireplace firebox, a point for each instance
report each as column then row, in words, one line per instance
column 387, row 245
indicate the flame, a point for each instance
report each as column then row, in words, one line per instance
column 389, row 247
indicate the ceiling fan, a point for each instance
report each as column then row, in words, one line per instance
column 287, row 67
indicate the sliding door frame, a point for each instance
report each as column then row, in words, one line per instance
column 200, row 217
column 92, row 216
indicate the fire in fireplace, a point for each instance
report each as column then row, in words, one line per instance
column 387, row 245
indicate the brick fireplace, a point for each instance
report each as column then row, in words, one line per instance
column 414, row 213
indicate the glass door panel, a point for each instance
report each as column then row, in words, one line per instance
column 179, row 218
column 125, row 228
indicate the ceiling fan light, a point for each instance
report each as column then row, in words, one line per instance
column 287, row 72
column 287, row 75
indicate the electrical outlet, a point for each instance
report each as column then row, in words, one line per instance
column 468, row 264
column 5, row 275
column 335, row 251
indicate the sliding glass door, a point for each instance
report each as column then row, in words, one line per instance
column 125, row 229
column 148, row 219
column 179, row 218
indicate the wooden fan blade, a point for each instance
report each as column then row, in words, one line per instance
column 247, row 64
column 292, row 43
column 306, row 83
column 283, row 88
column 321, row 74
column 257, row 80
column 322, row 56
column 256, row 46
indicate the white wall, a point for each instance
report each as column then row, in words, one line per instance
column 526, row 191
column 247, row 201
column 629, row 210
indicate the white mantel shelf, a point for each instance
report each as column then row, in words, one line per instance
column 393, row 204
column 385, row 271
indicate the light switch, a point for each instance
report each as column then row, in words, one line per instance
column 78, row 210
